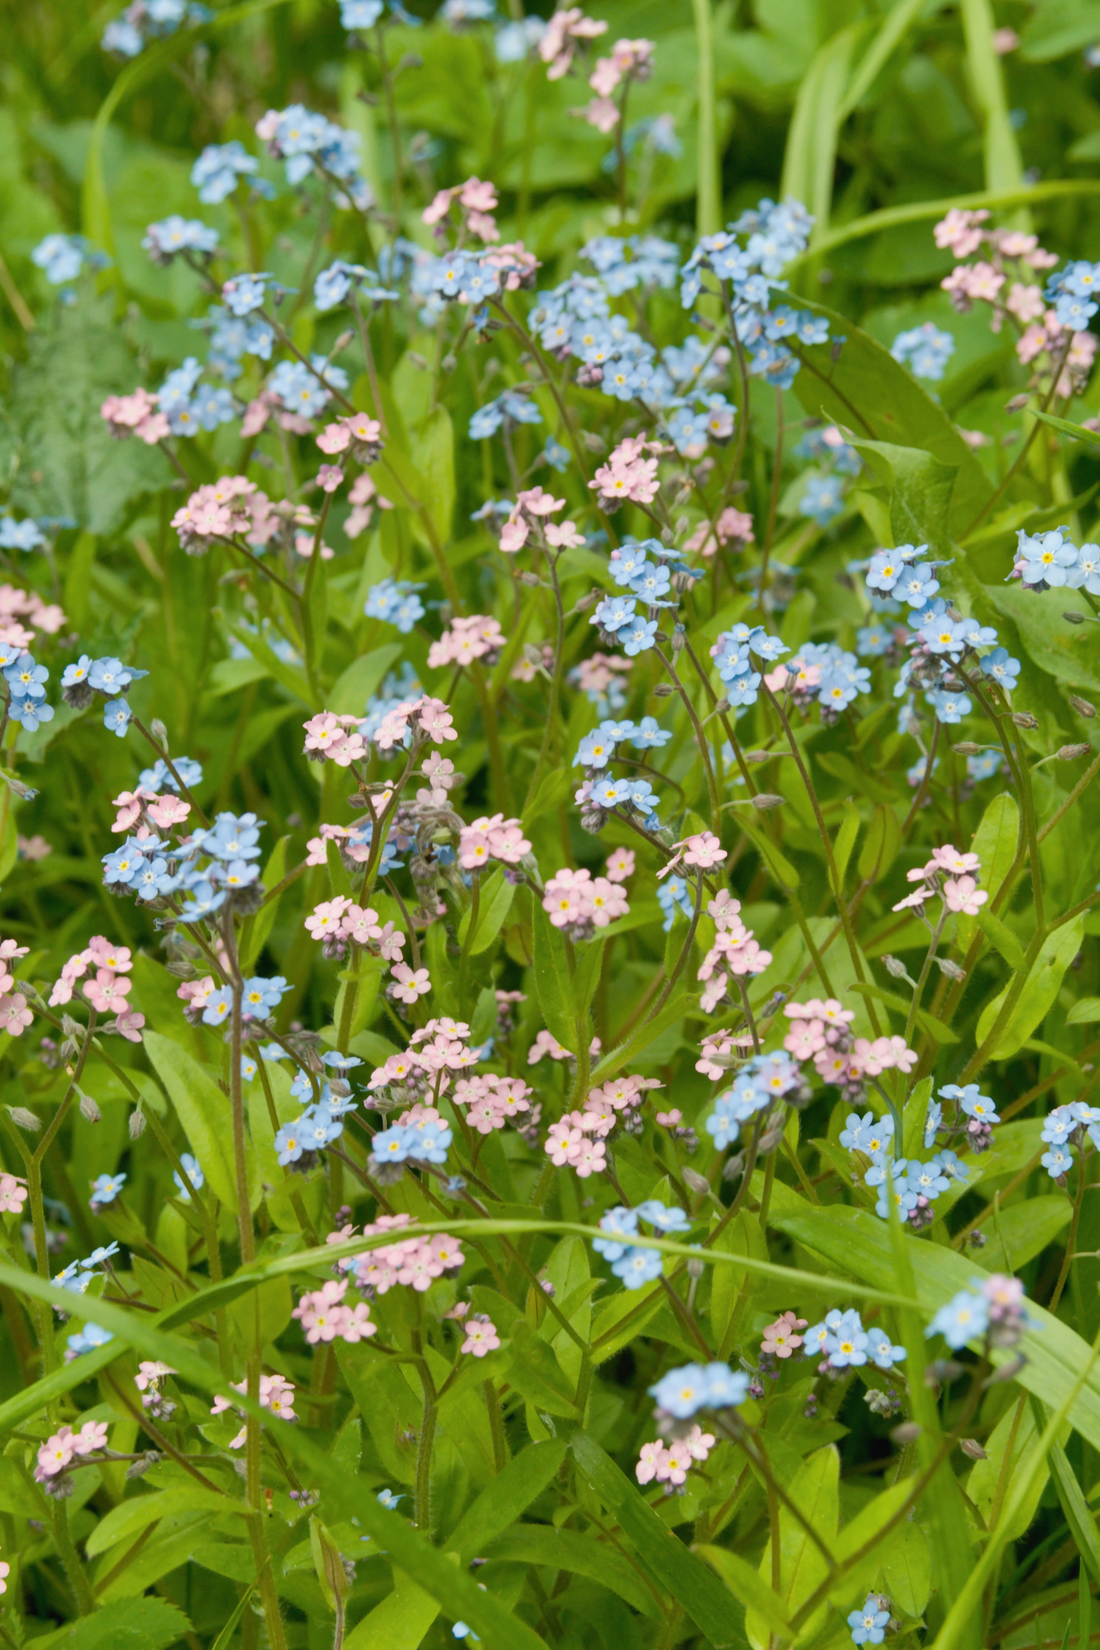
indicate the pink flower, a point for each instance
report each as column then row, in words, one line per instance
column 564, row 1144
column 107, row 993
column 959, row 233
column 780, row 1338
column 56, row 1452
column 620, row 865
column 513, row 535
column 648, row 1462
column 703, row 850
column 128, row 804
column 591, row 1158
column 92, row 1435
column 563, row 535
column 409, row 984
column 13, row 1194
column 105, row 955
column 15, row 1016
column 698, row 1443
column 607, row 900
column 436, row 721
column 674, row 1463
column 963, row 894
column 620, row 481
column 481, row 1336
column 167, row 811
column 150, row 1372
column 327, row 917
column 329, row 477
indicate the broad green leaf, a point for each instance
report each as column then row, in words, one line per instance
column 867, row 1529
column 577, row 1553
column 1023, row 1231
column 846, row 840
column 133, row 1624
column 293, row 680
column 434, row 456
column 399, row 1622
column 640, row 1039
column 131, row 1516
column 1038, row 994
column 537, row 1374
column 1005, row 1448
column 494, row 904
column 859, row 1243
column 351, row 691
column 1001, row 936
column 337, row 871
column 881, row 844
column 780, row 865
column 552, row 982
column 1085, row 1011
column 507, row 1497
column 1065, row 651
column 868, row 392
column 257, row 930
column 1077, row 431
column 749, row 1589
column 916, row 490
column 696, row 1589
column 907, row 1571
column 204, row 1111
column 802, row 1566
column 1079, row 1516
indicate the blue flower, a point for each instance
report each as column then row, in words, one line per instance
column 1057, row 1161
column 917, row 585
column 647, row 735
column 672, row 894
column 192, row 1178
column 87, row 1339
column 927, row 351
column 881, row 1352
column 233, row 837
column 964, row 1318
column 289, row 1144
column 949, row 1164
column 1001, row 667
column 261, row 997
column 984, row 765
column 25, row 678
column 664, row 1218
column 218, row 168
column 950, row 708
column 391, row 1145
column 847, row 1341
column 638, row 1267
column 613, row 613
column 110, row 675
column 683, row 1392
column 99, row 1256
column 218, row 1006
column 927, row 1179
column 618, row 1223
column 117, row 717
column 124, row 864
column 204, row 900
column 932, row 1121
column 594, row 751
column 867, row 1134
column 1044, row 558
column 973, row 1103
column 869, row 1624
column 30, row 713
column 106, row 1187
column 637, row 636
column 174, row 234
column 386, row 1498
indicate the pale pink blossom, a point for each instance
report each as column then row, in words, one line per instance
column 649, row 1460
column 327, row 918
column 167, row 811
column 481, row 1336
column 15, row 1016
column 963, row 894
column 781, row 1337
column 13, row 1194
column 563, row 1144
column 56, row 1453
column 409, row 984
column 959, row 231
column 620, row 865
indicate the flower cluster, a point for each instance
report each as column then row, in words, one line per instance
column 57, row 1453
column 325, row 1317
column 275, row 1394
column 635, row 1265
column 579, row 903
column 415, row 1262
column 213, row 866
column 670, row 1464
column 992, row 1307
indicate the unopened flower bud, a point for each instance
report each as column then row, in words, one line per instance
column 758, row 756
column 583, row 605
column 696, row 1268
column 595, row 443
column 1008, row 1371
column 89, row 1109
column 1071, row 753
column 1024, row 719
column 767, row 799
column 667, row 537
column 137, row 1124
column 448, row 364
column 696, row 1182
column 159, row 732
column 24, row 1119
column 529, row 579
column 896, row 968
column 977, row 1240
column 71, row 1027
column 1082, row 707
column 1017, row 404
column 942, row 1371
column 907, row 1433
column 663, row 690
column 734, row 1167
column 342, row 342
column 951, row 969
column 972, row 1448
column 679, row 639
column 966, row 747
column 1074, row 618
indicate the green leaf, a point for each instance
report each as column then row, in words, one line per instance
column 434, row 456
column 1077, row 431
column 995, row 843
column 641, row 1038
column 915, row 488
column 1023, row 1231
column 846, row 840
column 506, row 1499
column 809, row 162
column 907, row 1571
column 1085, row 1011
column 494, row 904
column 937, row 1029
column 1001, row 152
column 780, row 865
column 881, row 844
column 867, row 391
column 1002, row 937
column 1079, row 1517
column 352, row 690
column 225, row 1637
column 257, row 930
column 859, row 1243
column 866, row 1529
column 1066, row 652
column 748, row 1588
column 132, row 1516
column 537, row 1374
column 1038, row 994
column 552, row 982
column 815, row 1491
column 133, row 1624
column 696, row 1589
column 293, row 680
column 1055, row 30
column 204, row 1111
column 399, row 1622
column 579, row 1554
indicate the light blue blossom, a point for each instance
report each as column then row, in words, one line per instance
column 869, row 1624
column 106, row 1187
column 926, row 349
column 964, row 1318
column 683, row 1392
